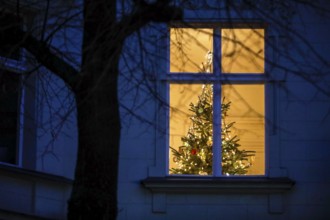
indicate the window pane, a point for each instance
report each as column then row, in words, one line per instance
column 242, row 50
column 246, row 112
column 191, row 129
column 189, row 49
column 8, row 116
column 8, row 42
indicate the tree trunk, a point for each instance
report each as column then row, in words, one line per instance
column 94, row 194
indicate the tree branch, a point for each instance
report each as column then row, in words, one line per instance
column 159, row 11
column 42, row 52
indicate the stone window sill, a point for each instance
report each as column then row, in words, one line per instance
column 218, row 184
column 21, row 173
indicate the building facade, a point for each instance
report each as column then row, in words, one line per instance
column 225, row 115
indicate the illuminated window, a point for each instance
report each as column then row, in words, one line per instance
column 217, row 103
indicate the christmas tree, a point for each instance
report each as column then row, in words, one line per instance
column 195, row 154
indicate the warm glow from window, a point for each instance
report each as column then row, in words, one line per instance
column 242, row 50
column 247, row 111
column 239, row 107
column 181, row 96
column 188, row 48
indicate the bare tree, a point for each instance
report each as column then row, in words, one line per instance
column 94, row 82
column 94, row 85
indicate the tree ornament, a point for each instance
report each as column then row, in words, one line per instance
column 193, row 152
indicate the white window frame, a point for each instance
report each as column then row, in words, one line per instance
column 17, row 67
column 217, row 79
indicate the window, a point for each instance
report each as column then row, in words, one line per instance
column 220, row 100
column 9, row 102
column 17, row 120
column 8, row 41
column 217, row 102
column 10, row 89
column 218, row 92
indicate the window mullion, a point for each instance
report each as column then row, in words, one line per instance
column 217, row 154
column 216, row 166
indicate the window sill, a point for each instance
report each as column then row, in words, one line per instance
column 22, row 173
column 251, row 185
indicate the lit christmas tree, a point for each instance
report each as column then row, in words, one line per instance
column 195, row 154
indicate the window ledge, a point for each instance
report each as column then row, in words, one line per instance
column 32, row 174
column 264, row 185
